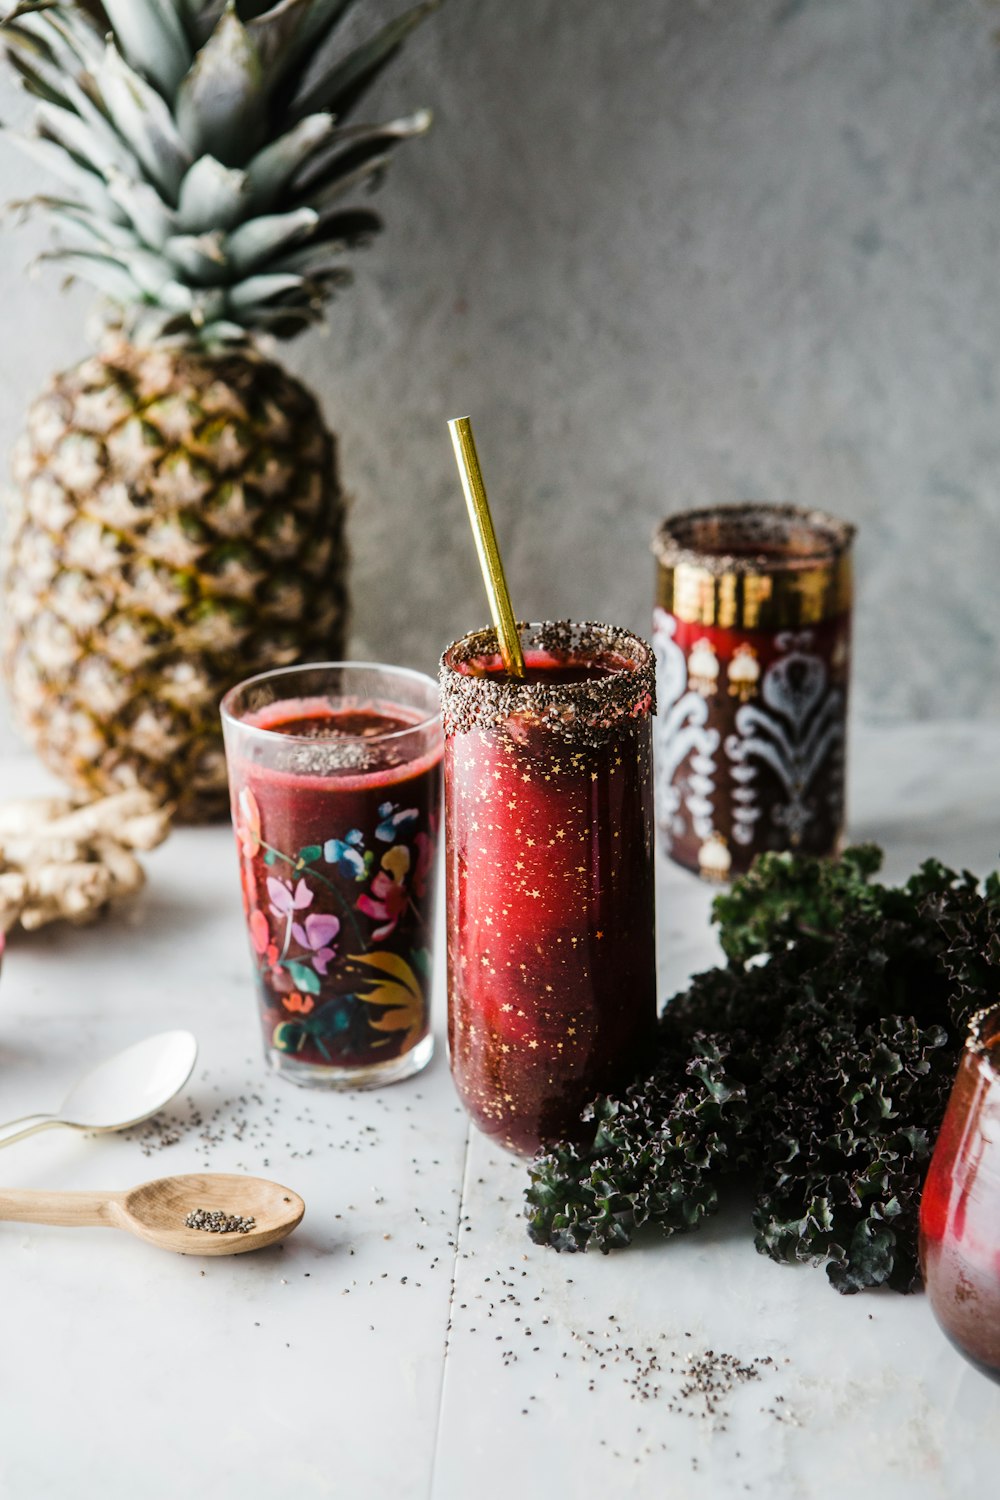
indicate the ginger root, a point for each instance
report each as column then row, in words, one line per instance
column 65, row 859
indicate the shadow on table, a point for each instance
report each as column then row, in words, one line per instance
column 731, row 1224
column 154, row 915
column 160, row 909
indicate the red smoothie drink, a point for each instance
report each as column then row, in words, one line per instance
column 960, row 1207
column 335, row 787
column 548, row 812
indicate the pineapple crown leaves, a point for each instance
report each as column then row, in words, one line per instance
column 206, row 153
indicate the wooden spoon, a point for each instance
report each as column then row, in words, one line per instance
column 156, row 1211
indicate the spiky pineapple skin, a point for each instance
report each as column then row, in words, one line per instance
column 177, row 525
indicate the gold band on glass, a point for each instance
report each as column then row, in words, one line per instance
column 754, row 567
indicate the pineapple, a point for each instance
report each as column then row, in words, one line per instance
column 178, row 522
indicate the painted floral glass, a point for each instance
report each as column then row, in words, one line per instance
column 549, row 858
column 752, row 631
column 334, row 775
column 960, row 1207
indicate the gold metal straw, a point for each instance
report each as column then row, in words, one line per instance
column 486, row 545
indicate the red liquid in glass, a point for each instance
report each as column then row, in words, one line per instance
column 960, row 1215
column 550, row 903
column 337, row 857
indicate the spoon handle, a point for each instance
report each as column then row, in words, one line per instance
column 16, row 1130
column 73, row 1210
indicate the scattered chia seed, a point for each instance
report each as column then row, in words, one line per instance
column 257, row 1118
column 241, row 1122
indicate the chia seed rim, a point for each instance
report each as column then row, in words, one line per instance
column 789, row 537
column 753, row 566
column 585, row 711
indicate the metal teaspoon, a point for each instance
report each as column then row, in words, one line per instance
column 122, row 1091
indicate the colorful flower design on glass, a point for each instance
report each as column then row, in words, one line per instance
column 316, row 932
column 302, row 1004
column 306, row 943
column 329, row 989
column 387, row 998
column 394, row 821
column 247, row 823
column 389, row 895
column 348, row 856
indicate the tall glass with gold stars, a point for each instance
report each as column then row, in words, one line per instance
column 548, row 824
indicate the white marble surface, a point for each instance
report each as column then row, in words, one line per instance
column 395, row 1346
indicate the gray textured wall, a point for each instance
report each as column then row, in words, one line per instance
column 665, row 252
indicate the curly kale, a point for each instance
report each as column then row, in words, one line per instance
column 817, row 1063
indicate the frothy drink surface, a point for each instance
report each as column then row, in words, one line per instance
column 328, row 742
